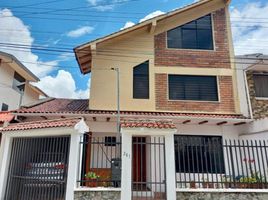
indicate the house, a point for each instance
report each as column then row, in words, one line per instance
column 164, row 120
column 252, row 74
column 16, row 88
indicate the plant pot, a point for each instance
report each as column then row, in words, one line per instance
column 91, row 182
column 192, row 185
column 241, row 185
column 208, row 185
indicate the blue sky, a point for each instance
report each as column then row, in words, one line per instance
column 72, row 23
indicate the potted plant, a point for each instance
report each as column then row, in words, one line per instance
column 192, row 184
column 207, row 184
column 91, row 179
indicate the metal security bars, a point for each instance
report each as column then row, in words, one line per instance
column 148, row 168
column 38, row 168
column 209, row 162
column 101, row 161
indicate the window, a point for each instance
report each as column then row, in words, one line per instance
column 4, row 107
column 18, row 82
column 196, row 34
column 261, row 84
column 110, row 141
column 199, row 88
column 141, row 81
column 199, row 154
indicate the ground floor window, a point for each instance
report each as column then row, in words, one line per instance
column 199, row 154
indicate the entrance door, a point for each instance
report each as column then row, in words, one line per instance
column 139, row 163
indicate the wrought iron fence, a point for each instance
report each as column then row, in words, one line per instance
column 101, row 161
column 210, row 162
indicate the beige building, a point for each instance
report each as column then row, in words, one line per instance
column 15, row 84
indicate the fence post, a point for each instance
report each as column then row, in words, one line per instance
column 126, row 173
column 170, row 165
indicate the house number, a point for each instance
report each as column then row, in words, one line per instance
column 126, row 154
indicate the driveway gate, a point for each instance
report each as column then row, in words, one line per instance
column 38, row 168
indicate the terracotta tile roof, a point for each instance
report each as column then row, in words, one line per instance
column 71, row 122
column 6, row 116
column 53, row 105
column 156, row 124
column 80, row 106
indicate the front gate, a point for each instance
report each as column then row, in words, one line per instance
column 38, row 168
column 148, row 168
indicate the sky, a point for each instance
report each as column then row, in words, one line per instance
column 43, row 33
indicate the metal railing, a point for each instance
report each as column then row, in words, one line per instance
column 209, row 162
column 101, row 161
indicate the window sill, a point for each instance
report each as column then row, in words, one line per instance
column 180, row 49
column 262, row 98
column 197, row 101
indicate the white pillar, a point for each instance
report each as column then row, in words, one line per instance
column 170, row 166
column 126, row 174
column 73, row 165
column 4, row 157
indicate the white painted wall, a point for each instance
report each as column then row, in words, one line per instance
column 10, row 96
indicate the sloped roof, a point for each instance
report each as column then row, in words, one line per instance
column 71, row 122
column 6, row 116
column 56, row 105
column 84, row 51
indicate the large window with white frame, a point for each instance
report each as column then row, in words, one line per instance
column 191, row 87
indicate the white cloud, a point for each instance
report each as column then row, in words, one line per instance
column 14, row 31
column 104, row 5
column 80, row 31
column 249, row 28
column 62, row 85
column 127, row 25
column 151, row 15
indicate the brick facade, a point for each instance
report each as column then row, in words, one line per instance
column 217, row 58
column 259, row 107
column 225, row 105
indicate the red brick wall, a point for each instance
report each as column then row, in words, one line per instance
column 225, row 105
column 217, row 58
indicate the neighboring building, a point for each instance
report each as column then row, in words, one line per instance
column 180, row 127
column 15, row 84
column 252, row 72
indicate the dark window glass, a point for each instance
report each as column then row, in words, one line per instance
column 18, row 82
column 261, row 85
column 193, row 35
column 4, row 107
column 199, row 154
column 200, row 88
column 110, row 141
column 141, row 81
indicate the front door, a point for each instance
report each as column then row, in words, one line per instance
column 139, row 162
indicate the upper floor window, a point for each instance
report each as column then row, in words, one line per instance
column 199, row 154
column 18, row 82
column 141, row 81
column 4, row 107
column 199, row 88
column 261, row 84
column 196, row 34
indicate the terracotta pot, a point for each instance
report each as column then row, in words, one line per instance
column 192, row 184
column 208, row 185
column 92, row 182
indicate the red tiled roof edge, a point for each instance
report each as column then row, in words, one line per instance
column 55, row 123
column 6, row 116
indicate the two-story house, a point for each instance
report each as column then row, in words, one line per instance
column 15, row 84
column 163, row 121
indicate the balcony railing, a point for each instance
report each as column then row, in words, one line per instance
column 101, row 161
column 213, row 163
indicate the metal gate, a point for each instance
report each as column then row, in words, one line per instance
column 148, row 168
column 38, row 168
